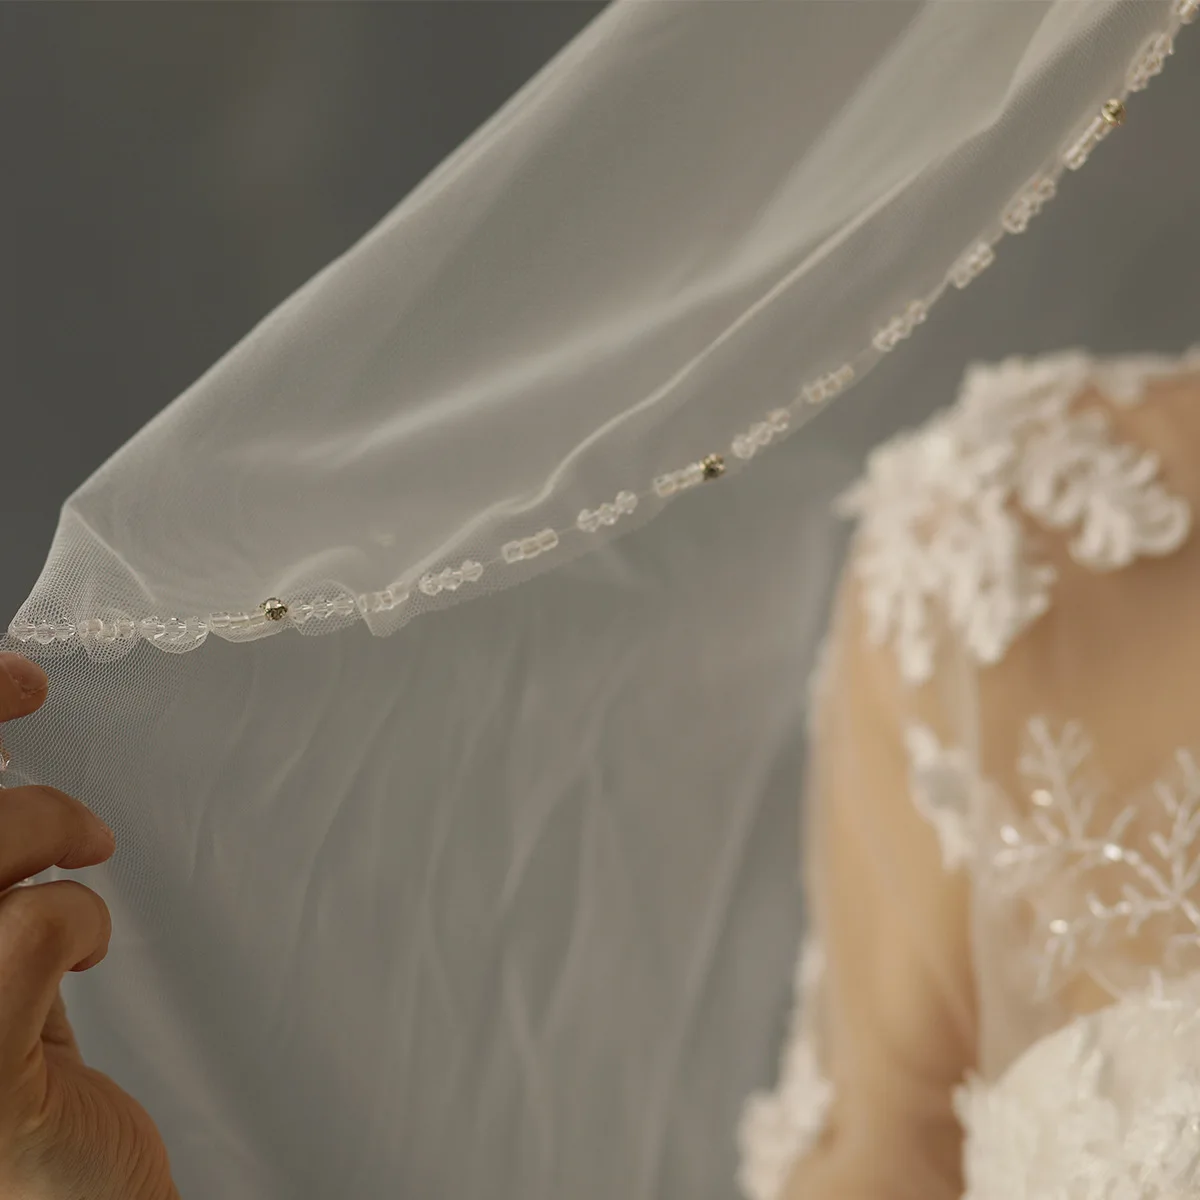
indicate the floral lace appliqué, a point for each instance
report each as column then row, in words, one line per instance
column 939, row 783
column 777, row 1127
column 1107, row 1108
column 941, row 508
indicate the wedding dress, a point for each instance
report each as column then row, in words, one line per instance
column 438, row 657
column 1008, row 751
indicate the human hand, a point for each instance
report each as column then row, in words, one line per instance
column 66, row 1132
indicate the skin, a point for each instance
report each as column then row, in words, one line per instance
column 67, row 1132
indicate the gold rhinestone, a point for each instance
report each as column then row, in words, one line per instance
column 714, row 466
column 273, row 609
column 1113, row 112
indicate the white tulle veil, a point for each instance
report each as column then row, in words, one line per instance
column 504, row 904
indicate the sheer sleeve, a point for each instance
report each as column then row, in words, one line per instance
column 992, row 852
column 895, row 1019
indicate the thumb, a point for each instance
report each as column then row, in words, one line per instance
column 58, row 1032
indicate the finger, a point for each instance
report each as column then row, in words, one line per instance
column 23, row 686
column 45, row 931
column 57, row 1029
column 41, row 827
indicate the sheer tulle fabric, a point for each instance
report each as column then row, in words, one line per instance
column 506, row 905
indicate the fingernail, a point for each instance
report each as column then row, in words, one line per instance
column 28, row 676
column 107, row 829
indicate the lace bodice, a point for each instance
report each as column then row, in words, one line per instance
column 1053, row 759
column 1108, row 1108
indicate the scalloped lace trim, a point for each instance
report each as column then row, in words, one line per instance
column 940, row 509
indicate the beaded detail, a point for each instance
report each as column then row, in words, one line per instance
column 1027, row 203
column 942, row 537
column 384, row 601
column 451, row 578
column 181, row 633
column 679, row 481
column 530, row 547
column 972, row 264
column 1110, row 117
column 822, row 390
column 900, row 327
column 746, row 445
column 274, row 609
column 1150, row 61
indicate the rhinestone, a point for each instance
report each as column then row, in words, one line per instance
column 1113, row 112
column 1113, row 852
column 1058, row 925
column 274, row 609
column 713, row 466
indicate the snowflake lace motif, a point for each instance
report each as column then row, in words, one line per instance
column 1093, row 885
column 941, row 508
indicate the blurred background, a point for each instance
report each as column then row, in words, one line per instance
column 174, row 171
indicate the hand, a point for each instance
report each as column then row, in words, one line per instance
column 66, row 1132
